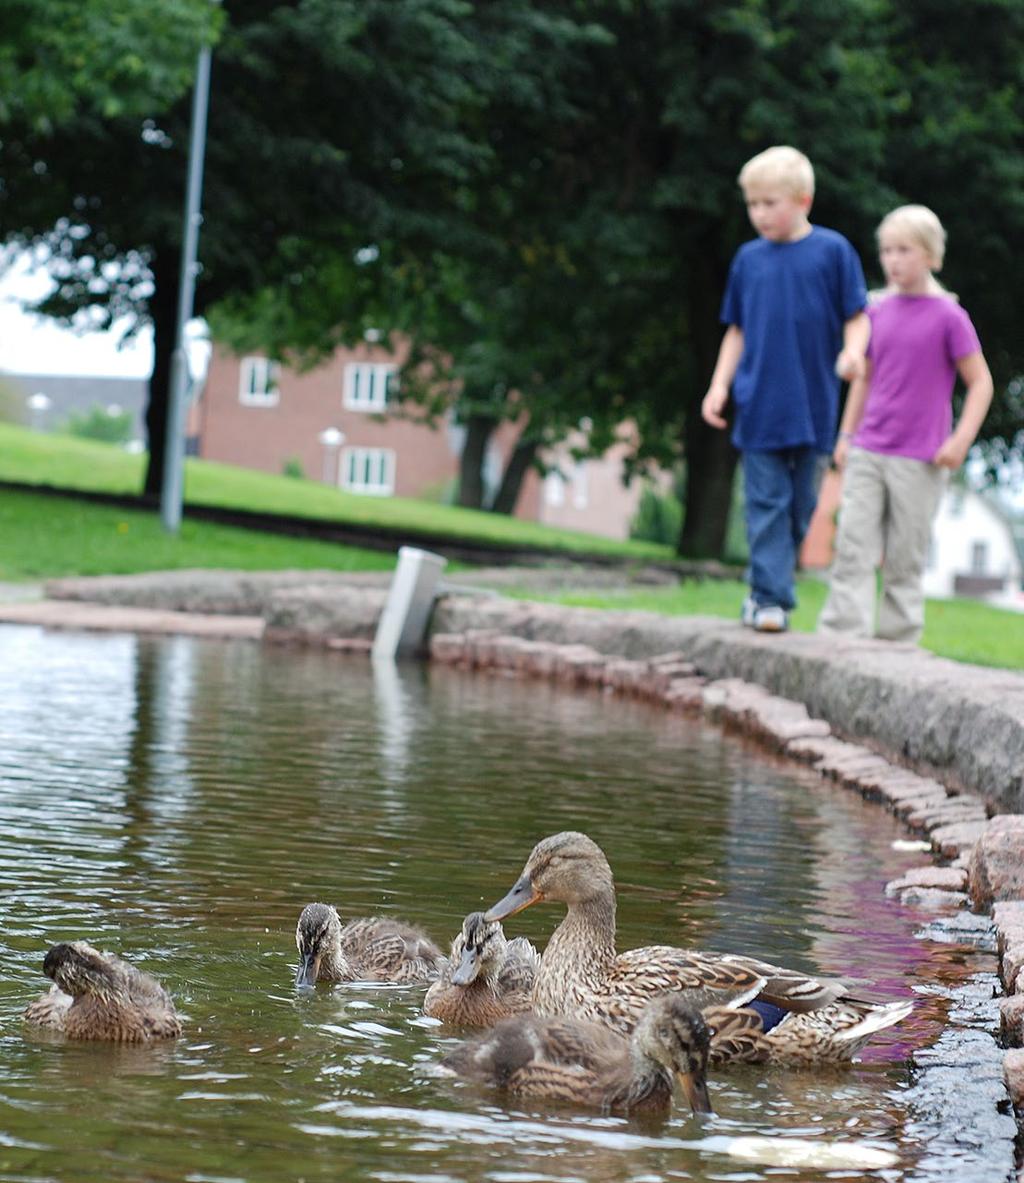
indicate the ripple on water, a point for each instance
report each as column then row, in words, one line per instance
column 179, row 801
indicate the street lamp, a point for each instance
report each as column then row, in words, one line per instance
column 331, row 439
column 38, row 404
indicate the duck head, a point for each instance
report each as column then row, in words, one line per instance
column 567, row 867
column 672, row 1032
column 79, row 969
column 317, row 935
column 478, row 949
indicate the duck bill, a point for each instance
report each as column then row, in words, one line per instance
column 695, row 1089
column 521, row 896
column 309, row 967
column 467, row 969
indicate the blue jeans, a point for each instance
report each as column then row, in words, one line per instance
column 781, row 490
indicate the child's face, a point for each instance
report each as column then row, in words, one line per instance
column 776, row 213
column 906, row 263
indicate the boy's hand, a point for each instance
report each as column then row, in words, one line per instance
column 952, row 453
column 840, row 452
column 850, row 365
column 713, row 405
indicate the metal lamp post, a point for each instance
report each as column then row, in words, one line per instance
column 174, row 445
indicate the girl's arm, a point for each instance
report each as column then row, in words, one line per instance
column 856, row 397
column 973, row 369
column 729, row 354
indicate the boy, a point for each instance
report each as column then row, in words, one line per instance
column 795, row 300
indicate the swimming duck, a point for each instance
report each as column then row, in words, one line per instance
column 485, row 979
column 98, row 996
column 785, row 1016
column 588, row 1064
column 374, row 949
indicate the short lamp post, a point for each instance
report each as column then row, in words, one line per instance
column 38, row 404
column 331, row 439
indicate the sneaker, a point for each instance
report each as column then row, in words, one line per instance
column 748, row 612
column 771, row 619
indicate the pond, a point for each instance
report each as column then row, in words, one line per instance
column 179, row 801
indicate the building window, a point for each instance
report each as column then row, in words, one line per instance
column 258, row 382
column 368, row 470
column 979, row 558
column 367, row 386
column 554, row 489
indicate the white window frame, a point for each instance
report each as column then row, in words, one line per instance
column 370, row 471
column 257, row 382
column 367, row 385
column 979, row 556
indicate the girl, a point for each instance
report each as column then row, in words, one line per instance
column 896, row 441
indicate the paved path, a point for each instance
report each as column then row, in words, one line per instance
column 115, row 618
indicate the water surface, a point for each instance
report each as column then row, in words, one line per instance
column 179, row 800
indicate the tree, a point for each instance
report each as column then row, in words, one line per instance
column 60, row 59
column 332, row 123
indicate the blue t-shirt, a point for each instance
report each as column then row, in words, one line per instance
column 791, row 300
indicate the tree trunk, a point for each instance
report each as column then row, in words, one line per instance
column 710, row 457
column 479, row 429
column 512, row 478
column 163, row 313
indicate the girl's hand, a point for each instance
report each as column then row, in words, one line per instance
column 850, row 365
column 952, row 453
column 840, row 452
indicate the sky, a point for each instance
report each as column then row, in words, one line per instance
column 38, row 345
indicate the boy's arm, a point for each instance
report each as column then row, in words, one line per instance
column 975, row 372
column 729, row 353
column 856, row 333
column 852, row 414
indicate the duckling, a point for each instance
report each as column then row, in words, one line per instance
column 98, row 996
column 374, row 949
column 588, row 1064
column 789, row 1017
column 485, row 979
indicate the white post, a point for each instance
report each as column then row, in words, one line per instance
column 403, row 622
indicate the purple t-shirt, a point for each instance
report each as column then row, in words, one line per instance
column 916, row 342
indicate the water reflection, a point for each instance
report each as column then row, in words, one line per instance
column 179, row 801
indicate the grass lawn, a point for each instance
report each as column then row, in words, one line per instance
column 70, row 463
column 46, row 537
column 43, row 537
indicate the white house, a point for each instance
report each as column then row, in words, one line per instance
column 973, row 551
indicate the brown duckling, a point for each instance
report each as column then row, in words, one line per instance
column 98, row 996
column 589, row 1064
column 788, row 1016
column 486, row 978
column 374, row 949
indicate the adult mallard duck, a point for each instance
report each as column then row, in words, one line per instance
column 98, row 996
column 374, row 949
column 588, row 1064
column 788, row 1016
column 486, row 977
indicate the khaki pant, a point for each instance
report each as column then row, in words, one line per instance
column 885, row 517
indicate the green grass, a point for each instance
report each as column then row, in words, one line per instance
column 47, row 537
column 70, row 463
column 965, row 630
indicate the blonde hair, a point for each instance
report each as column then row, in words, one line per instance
column 783, row 166
column 923, row 227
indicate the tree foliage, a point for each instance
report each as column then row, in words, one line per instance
column 541, row 195
column 60, row 59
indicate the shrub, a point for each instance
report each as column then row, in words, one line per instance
column 107, row 424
